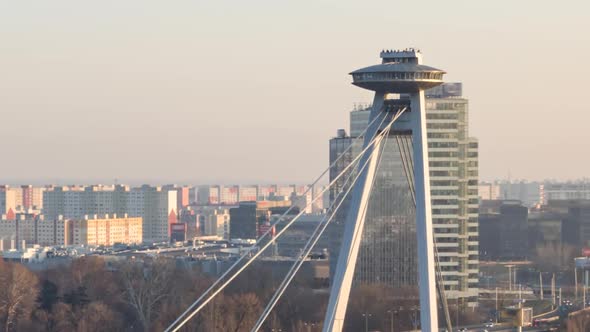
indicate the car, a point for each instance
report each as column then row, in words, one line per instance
column 462, row 329
column 490, row 324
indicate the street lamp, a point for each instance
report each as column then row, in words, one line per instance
column 415, row 317
column 392, row 312
column 496, row 313
column 457, row 321
column 510, row 266
column 367, row 315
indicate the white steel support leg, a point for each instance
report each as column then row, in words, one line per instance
column 424, row 230
column 353, row 228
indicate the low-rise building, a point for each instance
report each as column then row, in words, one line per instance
column 227, row 195
column 503, row 230
column 291, row 243
column 246, row 218
column 209, row 221
column 529, row 193
column 545, row 228
column 216, row 223
column 35, row 254
column 104, row 231
column 576, row 226
column 579, row 190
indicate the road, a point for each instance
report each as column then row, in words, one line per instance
column 479, row 328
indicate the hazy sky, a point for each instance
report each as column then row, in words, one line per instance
column 245, row 91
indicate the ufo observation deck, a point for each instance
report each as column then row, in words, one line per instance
column 400, row 72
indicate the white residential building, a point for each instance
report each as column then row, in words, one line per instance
column 26, row 230
column 156, row 206
column 567, row 190
column 488, row 191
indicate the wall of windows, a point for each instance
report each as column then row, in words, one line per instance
column 388, row 248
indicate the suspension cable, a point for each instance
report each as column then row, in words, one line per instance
column 385, row 133
column 363, row 208
column 195, row 311
column 407, row 170
column 316, row 235
column 270, row 242
column 409, row 148
column 265, row 234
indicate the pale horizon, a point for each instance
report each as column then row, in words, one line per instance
column 236, row 92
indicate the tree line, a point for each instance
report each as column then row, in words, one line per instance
column 91, row 295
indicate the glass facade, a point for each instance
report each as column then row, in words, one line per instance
column 388, row 248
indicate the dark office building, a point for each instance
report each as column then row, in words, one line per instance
column 290, row 244
column 503, row 234
column 244, row 221
column 545, row 229
column 576, row 226
column 246, row 218
column 178, row 232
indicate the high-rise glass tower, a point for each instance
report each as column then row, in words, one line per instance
column 388, row 248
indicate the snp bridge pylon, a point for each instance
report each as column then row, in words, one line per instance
column 399, row 82
column 401, row 73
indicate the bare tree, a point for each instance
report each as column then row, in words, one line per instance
column 98, row 317
column 300, row 304
column 218, row 315
column 376, row 301
column 551, row 257
column 17, row 294
column 189, row 283
column 146, row 286
column 578, row 321
column 246, row 308
column 62, row 318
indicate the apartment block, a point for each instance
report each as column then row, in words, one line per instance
column 26, row 230
column 155, row 205
column 231, row 195
column 104, row 231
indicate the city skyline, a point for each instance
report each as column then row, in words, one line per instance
column 217, row 166
column 140, row 93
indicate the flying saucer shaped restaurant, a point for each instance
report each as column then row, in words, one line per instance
column 397, row 77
